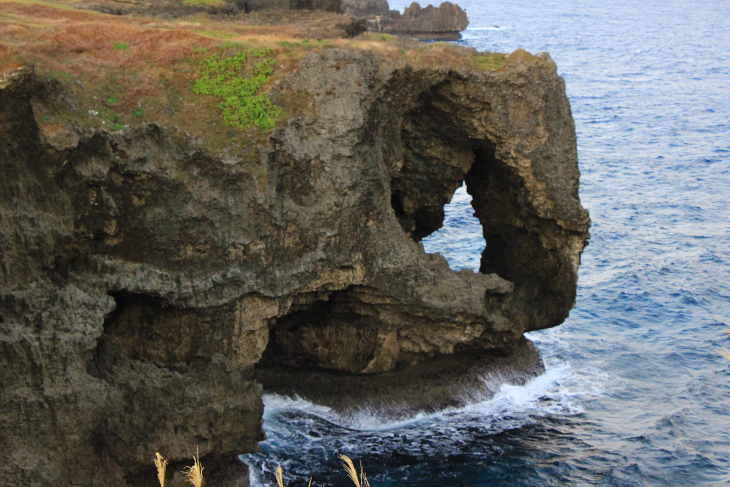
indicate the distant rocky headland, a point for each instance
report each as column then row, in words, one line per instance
column 443, row 22
column 164, row 252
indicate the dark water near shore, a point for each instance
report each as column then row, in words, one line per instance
column 634, row 393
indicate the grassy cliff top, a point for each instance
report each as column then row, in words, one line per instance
column 145, row 65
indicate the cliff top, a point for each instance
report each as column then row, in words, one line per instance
column 141, row 62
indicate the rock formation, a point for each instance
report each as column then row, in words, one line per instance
column 142, row 278
column 444, row 22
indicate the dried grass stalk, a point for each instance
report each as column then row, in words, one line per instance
column 161, row 465
column 363, row 478
column 350, row 469
column 346, row 464
column 725, row 354
column 195, row 473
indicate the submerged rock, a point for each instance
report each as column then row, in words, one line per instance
column 142, row 278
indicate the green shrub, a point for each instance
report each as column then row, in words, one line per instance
column 376, row 36
column 225, row 78
column 121, row 46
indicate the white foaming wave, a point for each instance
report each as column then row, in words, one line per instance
column 530, row 398
column 362, row 419
column 275, row 403
column 498, row 407
column 544, row 395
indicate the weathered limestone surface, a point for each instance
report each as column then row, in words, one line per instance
column 142, row 279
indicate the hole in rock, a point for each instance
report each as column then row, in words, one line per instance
column 442, row 155
column 442, row 167
column 461, row 238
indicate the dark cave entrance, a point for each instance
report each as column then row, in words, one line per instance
column 338, row 332
column 447, row 171
column 443, row 151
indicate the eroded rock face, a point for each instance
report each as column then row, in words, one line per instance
column 442, row 22
column 142, row 279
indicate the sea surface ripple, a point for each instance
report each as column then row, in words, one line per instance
column 634, row 393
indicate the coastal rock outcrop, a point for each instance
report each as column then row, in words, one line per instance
column 442, row 22
column 144, row 280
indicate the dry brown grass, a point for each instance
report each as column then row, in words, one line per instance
column 127, row 70
column 194, row 474
column 347, row 464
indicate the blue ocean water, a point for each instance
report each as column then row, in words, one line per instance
column 634, row 393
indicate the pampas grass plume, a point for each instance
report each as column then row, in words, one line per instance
column 725, row 354
column 352, row 472
column 161, row 465
column 195, row 473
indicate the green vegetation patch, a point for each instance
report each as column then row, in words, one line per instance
column 226, row 79
column 375, row 36
column 489, row 60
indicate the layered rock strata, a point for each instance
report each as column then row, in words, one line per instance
column 142, row 278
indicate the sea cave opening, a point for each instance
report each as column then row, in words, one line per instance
column 461, row 238
column 450, row 190
column 335, row 331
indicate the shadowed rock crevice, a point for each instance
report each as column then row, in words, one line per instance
column 163, row 367
column 433, row 167
column 351, row 331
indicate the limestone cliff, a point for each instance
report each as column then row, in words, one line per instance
column 142, row 278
